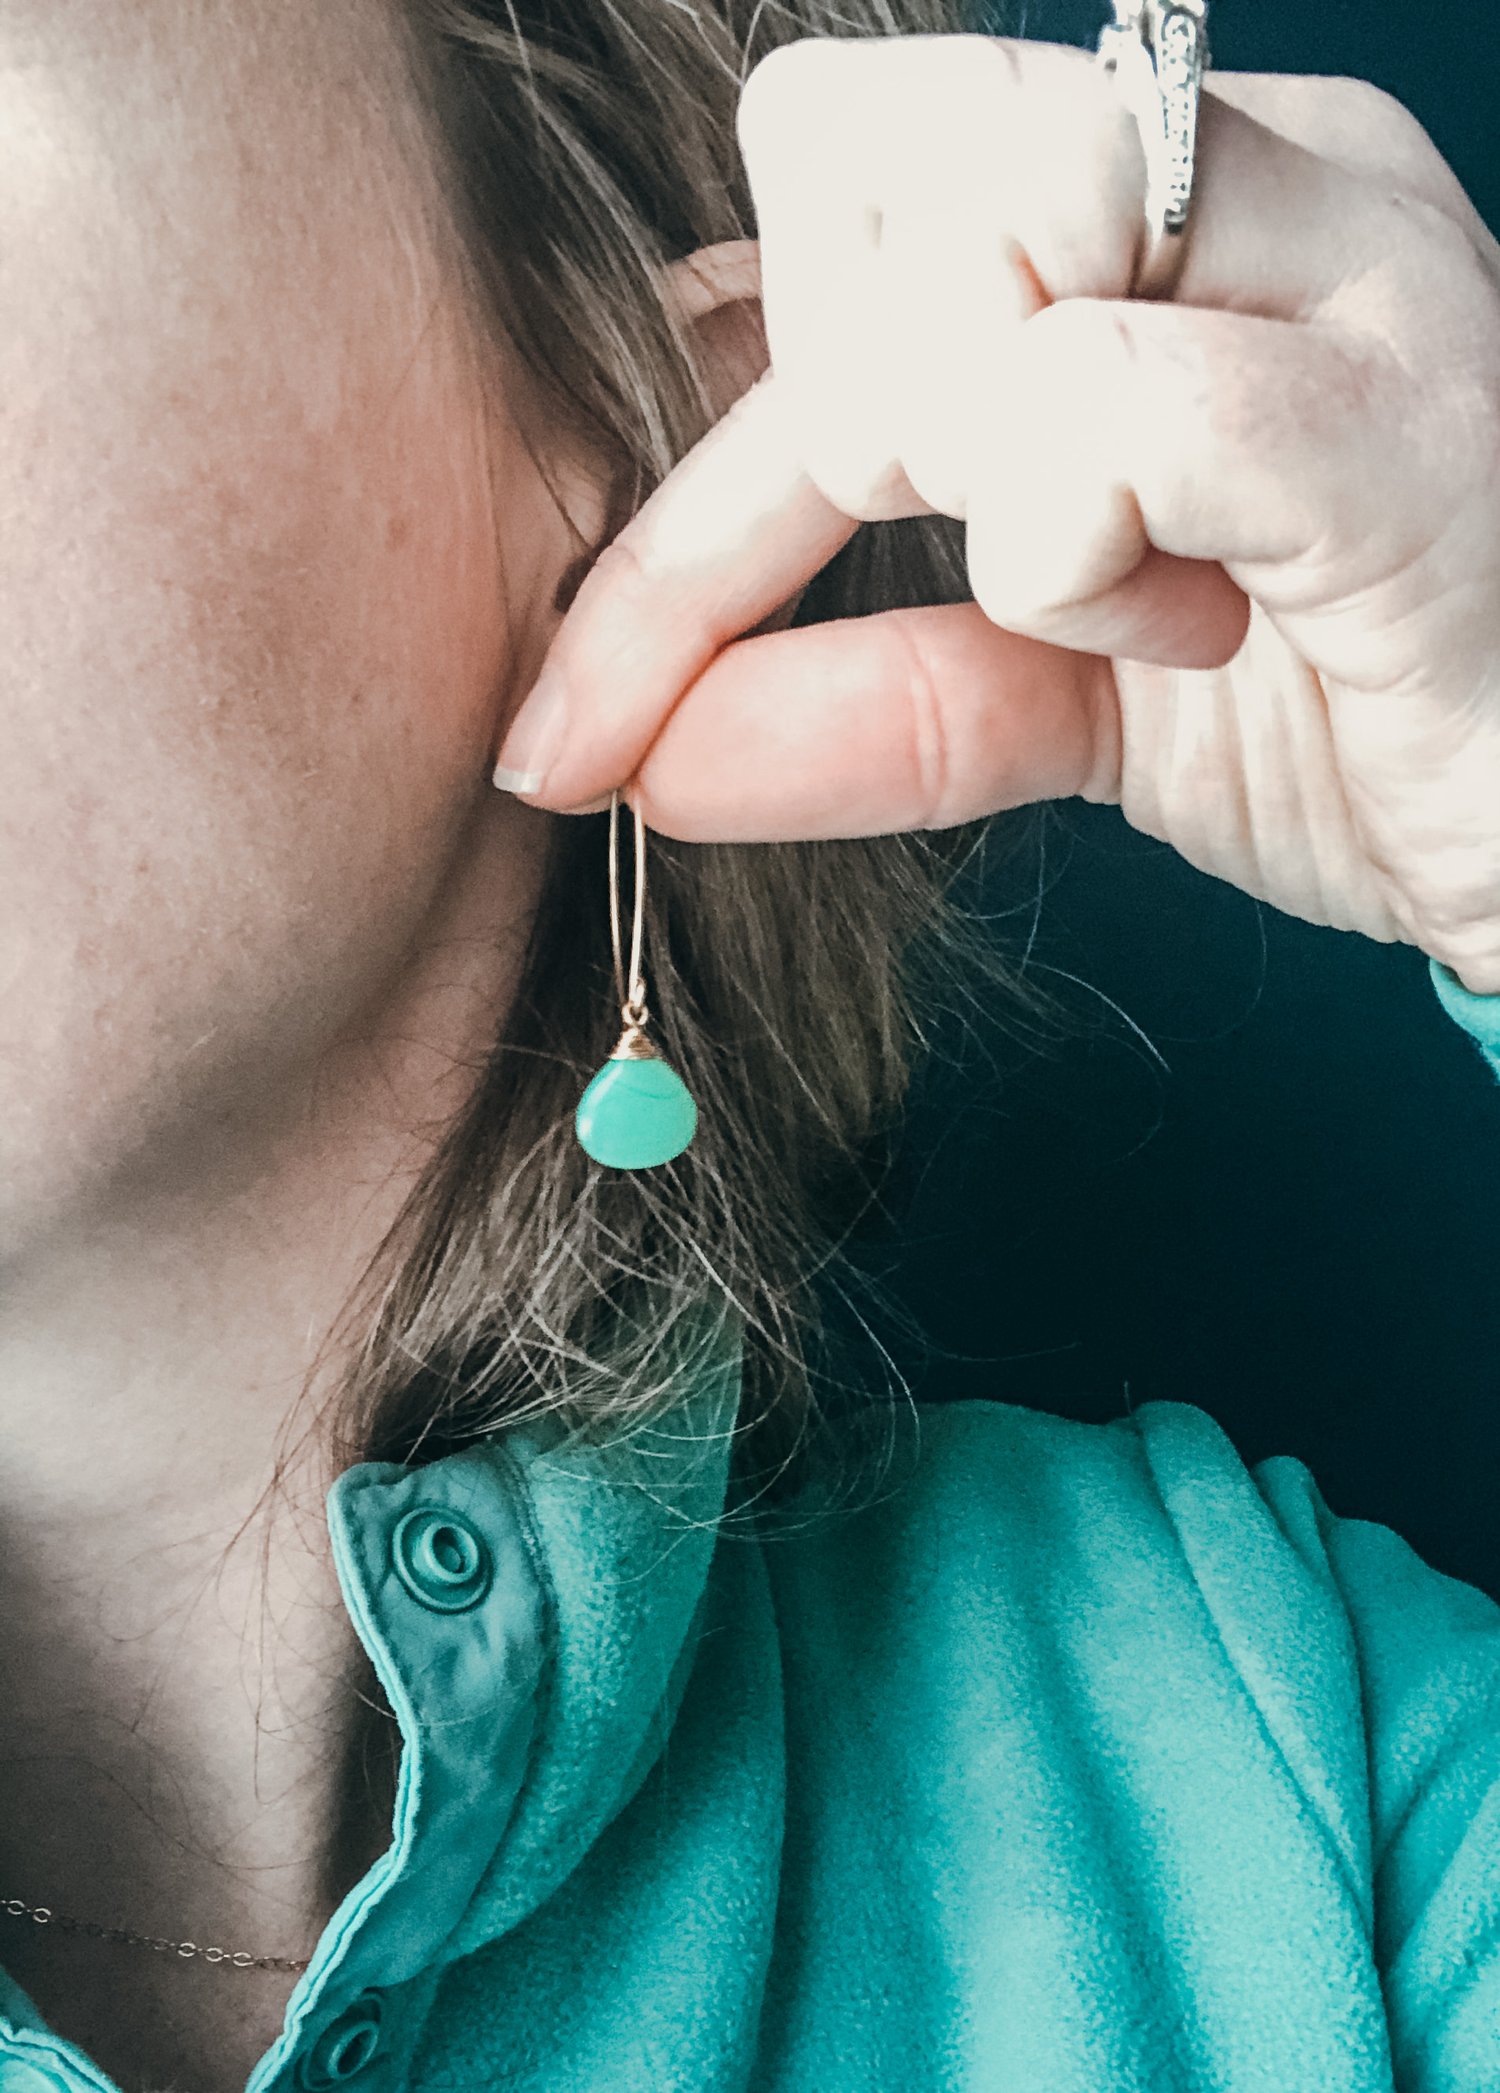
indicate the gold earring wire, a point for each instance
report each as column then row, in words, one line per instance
column 637, row 1112
column 631, row 994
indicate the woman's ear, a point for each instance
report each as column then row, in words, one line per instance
column 716, row 294
column 716, row 291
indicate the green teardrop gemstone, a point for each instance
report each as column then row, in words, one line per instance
column 636, row 1114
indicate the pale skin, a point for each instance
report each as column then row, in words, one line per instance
column 275, row 573
column 278, row 570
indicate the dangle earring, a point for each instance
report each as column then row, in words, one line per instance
column 637, row 1112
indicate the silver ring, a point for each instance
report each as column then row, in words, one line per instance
column 1157, row 51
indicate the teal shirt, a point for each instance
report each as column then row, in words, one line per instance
column 1073, row 1759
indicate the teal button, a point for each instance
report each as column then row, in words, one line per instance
column 345, row 2046
column 440, row 1558
column 19, row 2076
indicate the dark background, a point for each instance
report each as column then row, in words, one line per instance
column 1295, row 1222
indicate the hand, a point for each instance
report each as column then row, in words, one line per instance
column 1235, row 559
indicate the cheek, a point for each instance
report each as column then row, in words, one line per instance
column 248, row 653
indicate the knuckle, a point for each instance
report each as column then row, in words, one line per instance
column 876, row 493
column 789, row 74
column 1449, row 305
column 623, row 570
column 1380, row 114
column 931, row 760
column 1434, row 236
column 1471, row 952
column 935, row 477
column 845, row 424
column 1076, row 329
column 1005, row 58
column 631, row 593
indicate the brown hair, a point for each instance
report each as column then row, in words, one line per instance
column 582, row 145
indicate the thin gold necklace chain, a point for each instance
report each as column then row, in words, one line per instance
column 184, row 1950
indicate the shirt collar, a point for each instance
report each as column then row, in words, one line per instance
column 529, row 1605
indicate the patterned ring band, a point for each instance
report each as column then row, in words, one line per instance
column 1157, row 50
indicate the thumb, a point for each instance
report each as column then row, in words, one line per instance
column 908, row 719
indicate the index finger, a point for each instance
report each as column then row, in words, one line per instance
column 734, row 531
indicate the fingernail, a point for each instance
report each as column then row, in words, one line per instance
column 535, row 738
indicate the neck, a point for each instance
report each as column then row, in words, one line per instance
column 180, row 1687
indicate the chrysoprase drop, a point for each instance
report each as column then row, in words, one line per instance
column 636, row 1114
